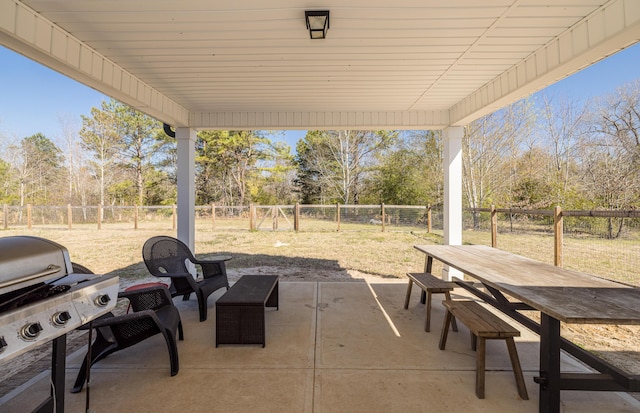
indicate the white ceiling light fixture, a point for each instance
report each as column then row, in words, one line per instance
column 317, row 23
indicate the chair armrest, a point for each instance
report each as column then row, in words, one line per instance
column 176, row 275
column 214, row 266
column 213, row 260
column 131, row 328
column 109, row 321
column 150, row 298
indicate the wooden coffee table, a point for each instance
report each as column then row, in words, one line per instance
column 240, row 312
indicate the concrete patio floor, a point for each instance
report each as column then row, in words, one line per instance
column 331, row 347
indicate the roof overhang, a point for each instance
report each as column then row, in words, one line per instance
column 409, row 64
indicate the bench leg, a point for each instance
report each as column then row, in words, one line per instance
column 454, row 325
column 427, row 322
column 517, row 369
column 406, row 300
column 480, row 367
column 445, row 330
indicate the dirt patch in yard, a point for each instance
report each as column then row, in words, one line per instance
column 610, row 342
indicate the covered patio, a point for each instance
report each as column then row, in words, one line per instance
column 411, row 64
column 331, row 347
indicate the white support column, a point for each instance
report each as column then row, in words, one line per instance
column 452, row 192
column 186, row 185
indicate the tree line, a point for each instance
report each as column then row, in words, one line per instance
column 535, row 153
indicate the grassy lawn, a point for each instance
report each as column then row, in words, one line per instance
column 116, row 248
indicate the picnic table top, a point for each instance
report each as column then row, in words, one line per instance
column 567, row 295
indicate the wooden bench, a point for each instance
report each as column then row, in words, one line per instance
column 240, row 312
column 430, row 285
column 484, row 325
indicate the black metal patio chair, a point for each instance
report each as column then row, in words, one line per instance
column 167, row 257
column 153, row 313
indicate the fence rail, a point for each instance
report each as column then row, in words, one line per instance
column 290, row 217
column 296, row 217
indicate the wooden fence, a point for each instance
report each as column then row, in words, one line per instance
column 575, row 238
column 372, row 215
column 257, row 217
column 24, row 216
column 558, row 218
column 337, row 217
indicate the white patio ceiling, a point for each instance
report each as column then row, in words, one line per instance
column 402, row 64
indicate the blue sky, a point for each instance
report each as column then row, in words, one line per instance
column 37, row 99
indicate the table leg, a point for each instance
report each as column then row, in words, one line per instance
column 428, row 264
column 549, row 365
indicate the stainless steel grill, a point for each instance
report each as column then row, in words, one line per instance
column 25, row 261
column 41, row 300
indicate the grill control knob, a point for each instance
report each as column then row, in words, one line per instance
column 102, row 300
column 60, row 318
column 30, row 331
column 3, row 344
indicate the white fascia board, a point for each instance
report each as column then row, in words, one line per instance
column 413, row 120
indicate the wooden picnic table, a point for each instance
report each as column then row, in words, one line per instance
column 560, row 295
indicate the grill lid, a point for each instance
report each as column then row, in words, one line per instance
column 26, row 261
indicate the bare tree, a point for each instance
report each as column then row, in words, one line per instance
column 70, row 145
column 563, row 128
column 620, row 120
column 612, row 163
column 337, row 161
column 490, row 148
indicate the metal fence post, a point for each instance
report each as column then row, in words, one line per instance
column 382, row 215
column 428, row 218
column 28, row 216
column 5, row 215
column 338, row 215
column 296, row 217
column 69, row 216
